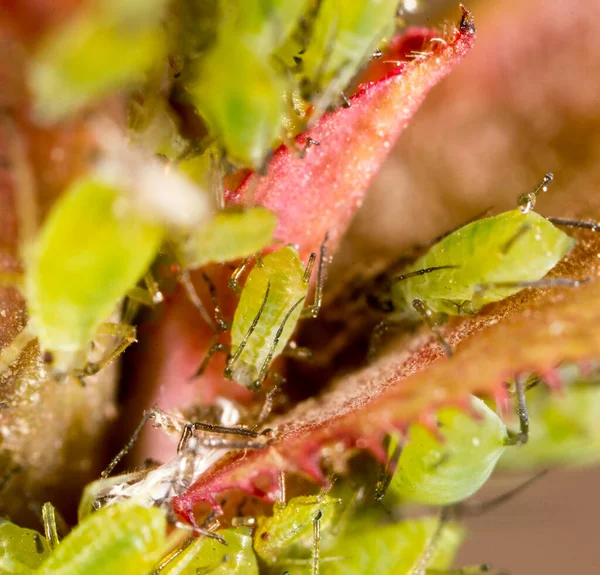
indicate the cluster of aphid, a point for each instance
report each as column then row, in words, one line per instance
column 422, row 468
column 293, row 59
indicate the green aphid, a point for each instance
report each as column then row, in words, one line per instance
column 240, row 97
column 343, row 38
column 445, row 470
column 206, row 556
column 109, row 46
column 21, row 550
column 484, row 262
column 289, row 532
column 264, row 24
column 92, row 248
column 565, row 425
column 271, row 303
column 405, row 548
column 123, row 538
column 230, row 235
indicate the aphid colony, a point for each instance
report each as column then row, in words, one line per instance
column 339, row 531
column 273, row 67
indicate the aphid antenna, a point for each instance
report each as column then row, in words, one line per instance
column 387, row 472
column 238, row 352
column 526, row 202
column 221, row 323
column 522, row 436
column 196, row 530
column 265, row 366
column 423, row 271
column 592, row 226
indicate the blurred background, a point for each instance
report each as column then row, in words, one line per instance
column 525, row 101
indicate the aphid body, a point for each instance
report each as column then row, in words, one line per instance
column 21, row 550
column 289, row 531
column 269, row 308
column 447, row 469
column 395, row 549
column 86, row 257
column 123, row 538
column 475, row 261
column 342, row 39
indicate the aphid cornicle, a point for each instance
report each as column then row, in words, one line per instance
column 270, row 305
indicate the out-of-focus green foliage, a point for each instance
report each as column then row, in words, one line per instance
column 108, row 46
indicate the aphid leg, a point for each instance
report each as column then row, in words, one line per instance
column 268, row 404
column 173, row 555
column 14, row 349
column 126, row 334
column 476, row 509
column 221, row 323
column 467, row 570
column 387, row 472
column 313, row 310
column 233, row 359
column 425, row 313
column 421, row 567
column 190, row 290
column 217, row 347
column 265, row 366
column 521, row 437
column 592, row 226
column 150, row 296
column 292, row 350
column 233, row 283
column 49, row 519
column 125, row 450
column 316, row 549
column 377, row 336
